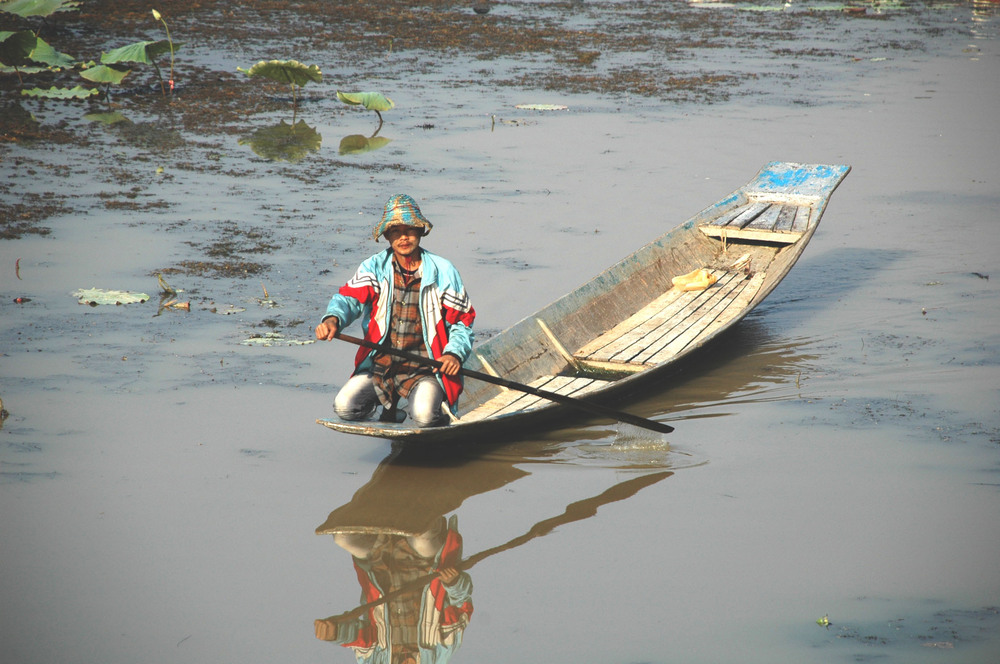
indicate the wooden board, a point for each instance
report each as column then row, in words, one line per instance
column 513, row 401
column 762, row 221
column 672, row 322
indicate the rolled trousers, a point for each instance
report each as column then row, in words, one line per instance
column 357, row 400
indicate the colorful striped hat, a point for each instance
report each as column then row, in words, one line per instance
column 401, row 210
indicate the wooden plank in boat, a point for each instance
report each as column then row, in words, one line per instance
column 767, row 219
column 785, row 218
column 726, row 217
column 719, row 316
column 592, row 351
column 802, row 217
column 513, row 401
column 751, row 234
column 748, row 215
column 669, row 327
column 613, row 343
column 681, row 331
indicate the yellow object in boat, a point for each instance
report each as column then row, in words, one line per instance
column 697, row 280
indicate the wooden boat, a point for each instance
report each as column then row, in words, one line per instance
column 631, row 322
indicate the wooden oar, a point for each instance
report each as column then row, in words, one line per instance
column 580, row 404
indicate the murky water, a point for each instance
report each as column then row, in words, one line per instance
column 835, row 456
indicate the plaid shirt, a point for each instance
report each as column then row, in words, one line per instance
column 393, row 376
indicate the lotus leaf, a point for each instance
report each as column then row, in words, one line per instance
column 373, row 101
column 26, row 8
column 105, row 74
column 284, row 142
column 47, row 55
column 79, row 92
column 96, row 296
column 285, row 71
column 4, row 69
column 15, row 47
column 144, row 52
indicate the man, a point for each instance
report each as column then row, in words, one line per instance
column 412, row 300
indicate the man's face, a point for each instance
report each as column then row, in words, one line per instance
column 404, row 240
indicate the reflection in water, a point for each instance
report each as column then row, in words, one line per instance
column 284, row 142
column 358, row 143
column 418, row 602
column 416, row 591
column 106, row 118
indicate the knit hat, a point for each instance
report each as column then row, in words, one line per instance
column 401, row 210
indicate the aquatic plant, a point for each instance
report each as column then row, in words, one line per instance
column 144, row 52
column 43, row 8
column 16, row 48
column 77, row 92
column 159, row 18
column 97, row 296
column 104, row 74
column 373, row 101
column 292, row 72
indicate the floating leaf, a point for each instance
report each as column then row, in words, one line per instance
column 144, row 52
column 97, row 296
column 15, row 47
column 285, row 71
column 47, row 55
column 284, row 142
column 27, row 8
column 541, row 107
column 373, row 101
column 105, row 74
column 29, row 69
column 79, row 92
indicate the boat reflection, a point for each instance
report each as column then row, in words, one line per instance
column 416, row 588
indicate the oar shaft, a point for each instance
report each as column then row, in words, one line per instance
column 580, row 404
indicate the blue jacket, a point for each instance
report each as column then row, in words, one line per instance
column 446, row 314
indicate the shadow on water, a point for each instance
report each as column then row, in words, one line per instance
column 407, row 551
column 820, row 280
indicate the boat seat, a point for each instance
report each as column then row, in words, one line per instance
column 669, row 324
column 780, row 221
column 512, row 400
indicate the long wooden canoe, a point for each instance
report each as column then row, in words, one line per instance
column 630, row 323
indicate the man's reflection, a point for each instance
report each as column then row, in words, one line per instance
column 419, row 603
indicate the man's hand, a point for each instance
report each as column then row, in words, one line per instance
column 327, row 330
column 449, row 365
column 326, row 630
column 448, row 575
